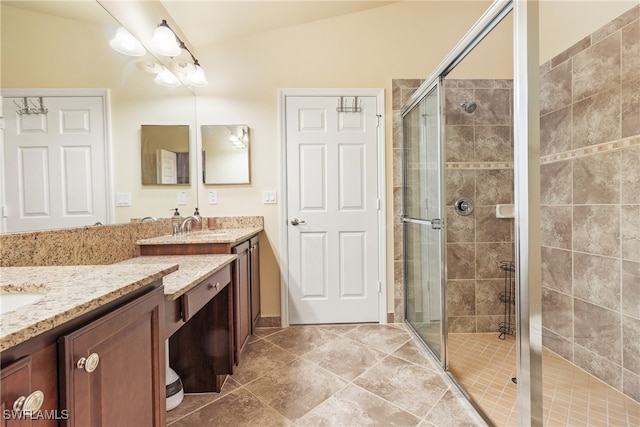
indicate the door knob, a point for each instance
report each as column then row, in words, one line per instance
column 296, row 221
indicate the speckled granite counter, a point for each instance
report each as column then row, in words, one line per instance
column 193, row 270
column 71, row 292
column 224, row 235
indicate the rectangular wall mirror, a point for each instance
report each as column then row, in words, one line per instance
column 225, row 154
column 165, row 154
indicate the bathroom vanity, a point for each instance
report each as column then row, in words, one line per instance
column 242, row 242
column 199, row 318
column 67, row 358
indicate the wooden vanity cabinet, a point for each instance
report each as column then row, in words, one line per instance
column 254, row 279
column 22, row 381
column 112, row 369
column 246, row 280
column 242, row 304
column 200, row 331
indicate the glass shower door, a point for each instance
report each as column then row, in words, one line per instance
column 423, row 236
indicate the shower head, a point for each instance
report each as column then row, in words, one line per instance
column 469, row 107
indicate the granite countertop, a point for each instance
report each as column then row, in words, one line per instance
column 193, row 270
column 71, row 292
column 221, row 235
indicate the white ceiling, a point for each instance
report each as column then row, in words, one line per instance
column 204, row 22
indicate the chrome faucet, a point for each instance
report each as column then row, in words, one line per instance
column 185, row 227
column 149, row 218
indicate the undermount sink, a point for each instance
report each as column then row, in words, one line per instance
column 13, row 299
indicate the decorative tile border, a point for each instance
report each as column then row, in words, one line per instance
column 585, row 151
column 479, row 165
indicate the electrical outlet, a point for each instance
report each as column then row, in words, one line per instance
column 213, row 197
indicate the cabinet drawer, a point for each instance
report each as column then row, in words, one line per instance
column 198, row 297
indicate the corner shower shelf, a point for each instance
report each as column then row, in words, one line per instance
column 508, row 297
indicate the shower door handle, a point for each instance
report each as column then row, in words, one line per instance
column 435, row 223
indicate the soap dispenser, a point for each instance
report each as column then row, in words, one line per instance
column 176, row 221
column 197, row 224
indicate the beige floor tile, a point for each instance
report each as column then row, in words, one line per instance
column 344, row 357
column 353, row 406
column 259, row 358
column 411, row 387
column 296, row 388
column 239, row 408
column 384, row 338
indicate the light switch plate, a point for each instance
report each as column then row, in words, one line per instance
column 269, row 196
column 182, row 197
column 123, row 199
column 213, row 197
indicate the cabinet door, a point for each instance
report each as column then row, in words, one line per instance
column 16, row 383
column 127, row 386
column 30, row 385
column 242, row 298
column 255, row 281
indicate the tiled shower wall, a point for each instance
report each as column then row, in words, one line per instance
column 590, row 194
column 479, row 165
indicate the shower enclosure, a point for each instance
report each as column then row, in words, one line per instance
column 471, row 160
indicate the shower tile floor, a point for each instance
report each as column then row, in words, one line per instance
column 484, row 366
column 332, row 375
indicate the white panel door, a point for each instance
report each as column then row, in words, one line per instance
column 167, row 167
column 55, row 164
column 332, row 209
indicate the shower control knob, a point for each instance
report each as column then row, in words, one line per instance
column 463, row 206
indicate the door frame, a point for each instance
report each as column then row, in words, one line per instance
column 69, row 92
column 381, row 192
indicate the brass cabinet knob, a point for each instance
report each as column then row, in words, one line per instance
column 89, row 363
column 31, row 403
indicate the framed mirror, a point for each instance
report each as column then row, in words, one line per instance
column 225, row 154
column 165, row 154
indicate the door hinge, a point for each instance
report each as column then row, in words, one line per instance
column 5, row 212
column 378, row 204
column 378, row 116
column 1, row 123
column 379, row 286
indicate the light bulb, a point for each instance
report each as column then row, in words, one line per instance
column 197, row 78
column 164, row 41
column 126, row 44
column 167, row 78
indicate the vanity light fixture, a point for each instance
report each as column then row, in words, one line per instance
column 167, row 43
column 125, row 43
column 183, row 66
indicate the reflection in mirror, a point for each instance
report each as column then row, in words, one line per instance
column 165, row 154
column 77, row 55
column 225, row 154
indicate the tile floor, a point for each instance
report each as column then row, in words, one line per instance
column 484, row 366
column 332, row 375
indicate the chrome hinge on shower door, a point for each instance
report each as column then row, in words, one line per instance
column 436, row 223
